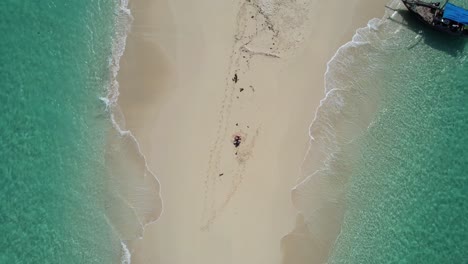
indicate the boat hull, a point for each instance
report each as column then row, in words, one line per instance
column 431, row 15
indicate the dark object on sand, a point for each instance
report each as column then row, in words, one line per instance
column 447, row 17
column 221, row 174
column 237, row 141
column 235, row 79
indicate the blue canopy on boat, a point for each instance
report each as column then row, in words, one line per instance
column 456, row 13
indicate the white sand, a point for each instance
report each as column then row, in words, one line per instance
column 181, row 102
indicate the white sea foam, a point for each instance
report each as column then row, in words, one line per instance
column 339, row 119
column 126, row 256
column 141, row 192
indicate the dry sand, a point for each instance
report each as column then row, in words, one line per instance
column 197, row 73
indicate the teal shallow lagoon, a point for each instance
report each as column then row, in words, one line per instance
column 53, row 132
column 408, row 195
column 393, row 186
column 51, row 135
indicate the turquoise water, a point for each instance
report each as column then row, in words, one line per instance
column 54, row 66
column 408, row 196
column 392, row 134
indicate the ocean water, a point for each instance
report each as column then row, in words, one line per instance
column 391, row 139
column 59, row 196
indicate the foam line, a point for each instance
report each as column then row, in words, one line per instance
column 123, row 23
column 321, row 193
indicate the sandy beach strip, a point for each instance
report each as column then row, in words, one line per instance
column 197, row 77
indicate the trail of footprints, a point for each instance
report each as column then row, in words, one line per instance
column 258, row 34
column 236, row 136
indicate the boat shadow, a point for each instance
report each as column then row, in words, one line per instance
column 452, row 45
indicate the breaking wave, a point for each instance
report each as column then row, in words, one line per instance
column 133, row 199
column 351, row 96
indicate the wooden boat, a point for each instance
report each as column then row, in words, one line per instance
column 446, row 17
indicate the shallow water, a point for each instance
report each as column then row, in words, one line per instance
column 393, row 185
column 54, row 67
column 408, row 195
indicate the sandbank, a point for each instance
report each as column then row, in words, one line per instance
column 196, row 74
